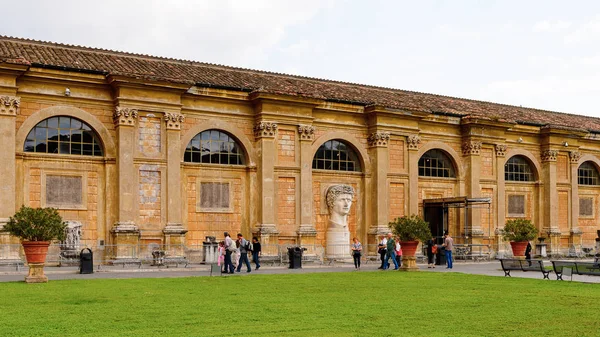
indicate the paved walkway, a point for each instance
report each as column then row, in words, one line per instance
column 71, row 273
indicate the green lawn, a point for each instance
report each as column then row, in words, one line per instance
column 322, row 304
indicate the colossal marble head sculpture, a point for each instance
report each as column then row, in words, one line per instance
column 339, row 201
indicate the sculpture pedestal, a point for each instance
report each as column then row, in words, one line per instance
column 409, row 263
column 36, row 273
column 338, row 244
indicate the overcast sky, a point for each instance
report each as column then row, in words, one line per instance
column 541, row 54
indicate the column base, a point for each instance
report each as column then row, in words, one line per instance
column 307, row 235
column 409, row 263
column 126, row 238
column 476, row 236
column 36, row 273
column 268, row 236
column 554, row 236
column 174, row 240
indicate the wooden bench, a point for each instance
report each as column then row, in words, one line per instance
column 578, row 267
column 509, row 265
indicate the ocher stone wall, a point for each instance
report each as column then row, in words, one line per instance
column 286, row 147
column 286, row 206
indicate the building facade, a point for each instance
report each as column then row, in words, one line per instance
column 140, row 150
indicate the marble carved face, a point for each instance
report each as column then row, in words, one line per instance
column 342, row 204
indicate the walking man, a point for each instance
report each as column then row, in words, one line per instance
column 229, row 249
column 244, row 249
column 382, row 250
column 448, row 244
column 256, row 252
column 391, row 252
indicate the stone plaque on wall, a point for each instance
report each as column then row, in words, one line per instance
column 586, row 207
column 516, row 205
column 64, row 190
column 214, row 195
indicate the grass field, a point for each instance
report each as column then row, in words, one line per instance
column 321, row 304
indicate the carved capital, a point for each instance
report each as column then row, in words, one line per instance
column 125, row 116
column 306, row 132
column 379, row 139
column 413, row 142
column 501, row 150
column 174, row 120
column 575, row 156
column 265, row 129
column 549, row 155
column 9, row 105
column 471, row 148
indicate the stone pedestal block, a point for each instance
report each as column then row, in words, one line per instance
column 126, row 238
column 409, row 263
column 307, row 236
column 36, row 273
column 268, row 236
column 174, row 240
column 338, row 244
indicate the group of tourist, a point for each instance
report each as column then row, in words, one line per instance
column 233, row 254
column 389, row 248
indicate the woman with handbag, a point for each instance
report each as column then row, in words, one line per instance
column 356, row 253
column 431, row 251
column 398, row 253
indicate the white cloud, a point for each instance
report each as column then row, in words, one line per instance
column 585, row 33
column 227, row 31
column 551, row 26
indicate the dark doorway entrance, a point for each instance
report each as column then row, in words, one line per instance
column 436, row 216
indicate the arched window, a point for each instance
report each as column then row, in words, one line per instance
column 517, row 168
column 436, row 163
column 63, row 135
column 214, row 147
column 587, row 174
column 336, row 155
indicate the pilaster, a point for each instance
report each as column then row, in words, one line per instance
column 307, row 232
column 500, row 196
column 550, row 198
column 125, row 232
column 471, row 150
column 412, row 142
column 379, row 153
column 9, row 108
column 574, row 157
column 265, row 133
column 174, row 232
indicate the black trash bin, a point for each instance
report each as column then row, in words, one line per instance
column 441, row 256
column 86, row 261
column 295, row 257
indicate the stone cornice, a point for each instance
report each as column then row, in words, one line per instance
column 9, row 105
column 174, row 120
column 306, row 132
column 471, row 148
column 575, row 156
column 549, row 155
column 264, row 129
column 125, row 116
column 501, row 150
column 413, row 142
column 379, row 139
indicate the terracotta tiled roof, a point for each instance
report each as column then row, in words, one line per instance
column 37, row 53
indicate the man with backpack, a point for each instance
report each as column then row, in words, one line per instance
column 245, row 247
column 229, row 249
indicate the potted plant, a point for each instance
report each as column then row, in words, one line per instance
column 410, row 230
column 519, row 232
column 36, row 227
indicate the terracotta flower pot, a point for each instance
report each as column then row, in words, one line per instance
column 36, row 251
column 409, row 248
column 518, row 248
